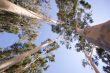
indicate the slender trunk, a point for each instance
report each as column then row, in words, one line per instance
column 21, row 57
column 27, row 66
column 99, row 35
column 91, row 62
column 11, row 7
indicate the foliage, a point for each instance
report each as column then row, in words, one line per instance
column 40, row 61
column 26, row 29
column 13, row 23
column 74, row 13
column 85, row 63
column 105, row 57
column 70, row 12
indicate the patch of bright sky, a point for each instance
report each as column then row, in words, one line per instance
column 7, row 39
column 100, row 10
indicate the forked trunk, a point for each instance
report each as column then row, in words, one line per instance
column 91, row 62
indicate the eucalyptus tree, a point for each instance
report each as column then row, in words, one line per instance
column 13, row 23
column 25, row 28
column 74, row 13
column 11, row 7
column 99, row 36
column 46, row 56
column 76, row 17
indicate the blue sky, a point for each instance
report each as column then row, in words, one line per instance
column 7, row 39
column 100, row 10
column 67, row 61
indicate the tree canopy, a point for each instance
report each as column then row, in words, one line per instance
column 71, row 14
column 26, row 29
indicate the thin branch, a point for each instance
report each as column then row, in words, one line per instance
column 91, row 52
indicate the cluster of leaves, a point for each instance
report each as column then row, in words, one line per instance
column 8, row 22
column 40, row 60
column 71, row 12
column 83, row 45
column 13, row 51
column 13, row 23
column 105, row 57
column 101, row 54
column 25, row 28
column 45, row 56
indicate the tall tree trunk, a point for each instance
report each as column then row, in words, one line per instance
column 10, row 7
column 99, row 35
column 91, row 62
column 21, row 57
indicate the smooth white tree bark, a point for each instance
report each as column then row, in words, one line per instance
column 11, row 7
column 4, row 66
column 91, row 62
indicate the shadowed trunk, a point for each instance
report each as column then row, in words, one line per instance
column 99, row 35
